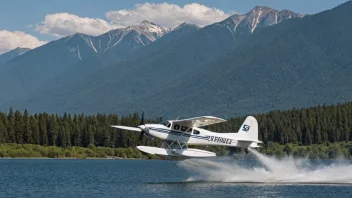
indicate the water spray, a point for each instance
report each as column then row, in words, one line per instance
column 268, row 169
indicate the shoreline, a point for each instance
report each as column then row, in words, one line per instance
column 74, row 158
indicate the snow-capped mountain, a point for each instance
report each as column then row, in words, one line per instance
column 119, row 42
column 84, row 67
column 186, row 26
column 177, row 33
column 12, row 54
column 258, row 18
column 78, row 51
column 156, row 30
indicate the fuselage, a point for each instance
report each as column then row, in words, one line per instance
column 194, row 136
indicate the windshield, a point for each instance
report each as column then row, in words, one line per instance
column 166, row 123
column 163, row 123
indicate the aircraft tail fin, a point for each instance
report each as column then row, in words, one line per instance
column 249, row 128
column 247, row 135
column 249, row 131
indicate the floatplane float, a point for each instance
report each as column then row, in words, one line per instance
column 179, row 134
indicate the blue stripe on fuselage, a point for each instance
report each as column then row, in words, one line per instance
column 171, row 132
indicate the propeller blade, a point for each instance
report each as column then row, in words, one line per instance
column 127, row 128
column 141, row 136
column 142, row 120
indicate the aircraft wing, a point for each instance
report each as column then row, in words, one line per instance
column 199, row 121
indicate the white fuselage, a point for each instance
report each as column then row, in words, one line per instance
column 195, row 136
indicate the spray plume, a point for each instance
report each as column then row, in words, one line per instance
column 269, row 170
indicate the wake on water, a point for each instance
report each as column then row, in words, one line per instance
column 270, row 170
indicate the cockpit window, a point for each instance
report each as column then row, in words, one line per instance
column 166, row 123
column 196, row 132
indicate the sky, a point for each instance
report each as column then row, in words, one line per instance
column 30, row 24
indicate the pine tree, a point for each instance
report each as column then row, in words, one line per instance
column 345, row 126
column 3, row 131
column 34, row 127
column 27, row 132
column 19, row 127
column 43, row 129
column 3, row 120
column 317, row 130
column 67, row 134
column 10, row 127
column 53, row 130
column 61, row 138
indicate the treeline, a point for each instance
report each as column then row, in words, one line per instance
column 304, row 126
column 37, row 151
column 69, row 130
column 327, row 150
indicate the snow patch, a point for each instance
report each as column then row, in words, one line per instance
column 255, row 21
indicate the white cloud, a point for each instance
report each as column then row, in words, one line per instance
column 167, row 15
column 164, row 14
column 63, row 24
column 11, row 40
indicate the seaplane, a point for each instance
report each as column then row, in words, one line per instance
column 179, row 134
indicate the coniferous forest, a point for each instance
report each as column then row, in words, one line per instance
column 281, row 131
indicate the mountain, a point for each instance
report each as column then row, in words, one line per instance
column 181, row 31
column 124, row 41
column 78, row 75
column 33, row 69
column 118, row 42
column 207, row 43
column 297, row 63
column 162, row 64
column 12, row 54
column 260, row 17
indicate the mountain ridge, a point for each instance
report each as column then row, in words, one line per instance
column 162, row 61
column 7, row 56
column 160, row 66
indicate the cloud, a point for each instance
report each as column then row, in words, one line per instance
column 164, row 14
column 11, row 40
column 64, row 24
column 167, row 15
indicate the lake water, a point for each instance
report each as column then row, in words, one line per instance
column 220, row 177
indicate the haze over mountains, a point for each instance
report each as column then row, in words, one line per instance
column 262, row 60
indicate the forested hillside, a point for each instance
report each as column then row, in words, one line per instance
column 297, row 63
column 309, row 126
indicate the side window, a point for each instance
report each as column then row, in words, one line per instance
column 196, row 132
column 177, row 127
column 183, row 128
column 168, row 125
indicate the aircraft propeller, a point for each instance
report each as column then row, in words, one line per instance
column 140, row 128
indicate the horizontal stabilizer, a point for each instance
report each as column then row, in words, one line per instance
column 255, row 146
column 245, row 140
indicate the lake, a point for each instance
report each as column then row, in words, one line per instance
column 157, row 178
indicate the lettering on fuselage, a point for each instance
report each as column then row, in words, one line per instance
column 219, row 139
